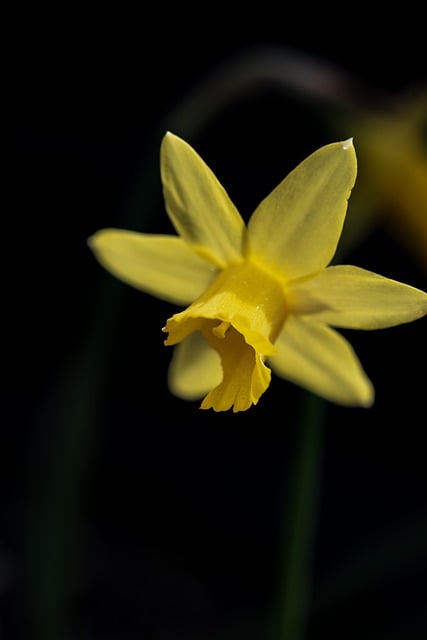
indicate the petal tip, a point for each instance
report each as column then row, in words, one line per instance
column 169, row 135
column 167, row 139
column 91, row 241
column 367, row 403
column 367, row 397
column 347, row 144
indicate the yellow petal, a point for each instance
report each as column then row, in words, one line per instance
column 163, row 266
column 198, row 206
column 318, row 358
column 195, row 368
column 350, row 297
column 392, row 152
column 295, row 230
column 408, row 207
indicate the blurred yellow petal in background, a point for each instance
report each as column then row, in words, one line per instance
column 392, row 179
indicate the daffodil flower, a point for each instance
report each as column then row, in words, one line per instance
column 260, row 297
column 393, row 177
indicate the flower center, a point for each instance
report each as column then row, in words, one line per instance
column 240, row 316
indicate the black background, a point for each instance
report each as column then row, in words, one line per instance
column 127, row 513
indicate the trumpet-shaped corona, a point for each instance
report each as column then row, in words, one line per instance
column 240, row 315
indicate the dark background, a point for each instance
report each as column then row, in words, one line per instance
column 127, row 513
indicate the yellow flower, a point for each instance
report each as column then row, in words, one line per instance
column 260, row 296
column 392, row 180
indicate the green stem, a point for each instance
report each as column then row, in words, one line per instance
column 300, row 515
column 66, row 444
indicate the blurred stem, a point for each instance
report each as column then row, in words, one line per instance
column 61, row 467
column 300, row 516
column 285, row 70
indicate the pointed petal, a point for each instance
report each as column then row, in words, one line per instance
column 318, row 358
column 198, row 206
column 295, row 230
column 350, row 297
column 163, row 266
column 195, row 368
